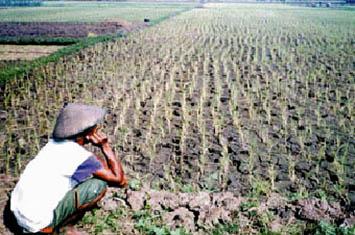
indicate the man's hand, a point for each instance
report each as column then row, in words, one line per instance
column 112, row 171
column 124, row 182
column 97, row 138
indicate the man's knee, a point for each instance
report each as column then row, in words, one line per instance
column 82, row 197
column 91, row 193
column 91, row 190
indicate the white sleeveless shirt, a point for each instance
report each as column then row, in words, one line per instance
column 44, row 183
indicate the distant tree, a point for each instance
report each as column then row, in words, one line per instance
column 20, row 3
column 200, row 3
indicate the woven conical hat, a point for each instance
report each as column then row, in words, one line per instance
column 76, row 118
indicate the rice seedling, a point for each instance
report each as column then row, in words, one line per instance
column 262, row 94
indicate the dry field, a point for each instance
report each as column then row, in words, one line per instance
column 65, row 29
column 92, row 11
column 250, row 99
column 15, row 52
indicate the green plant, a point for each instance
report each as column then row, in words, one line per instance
column 326, row 228
column 135, row 184
column 229, row 228
column 245, row 206
column 21, row 69
column 100, row 222
column 26, row 40
column 150, row 224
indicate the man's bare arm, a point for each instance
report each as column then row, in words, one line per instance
column 112, row 172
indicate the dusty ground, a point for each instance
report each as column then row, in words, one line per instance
column 199, row 212
column 27, row 52
column 6, row 185
column 58, row 29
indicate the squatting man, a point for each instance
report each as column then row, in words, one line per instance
column 64, row 180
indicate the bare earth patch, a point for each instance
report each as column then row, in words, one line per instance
column 198, row 212
column 25, row 52
column 72, row 30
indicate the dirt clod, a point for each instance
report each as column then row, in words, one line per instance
column 180, row 217
column 199, row 200
column 136, row 199
column 349, row 222
column 276, row 225
column 213, row 216
column 276, row 201
column 163, row 200
column 3, row 115
column 226, row 200
column 316, row 210
column 111, row 202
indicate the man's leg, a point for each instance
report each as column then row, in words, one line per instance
column 84, row 208
column 76, row 202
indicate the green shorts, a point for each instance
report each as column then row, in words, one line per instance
column 83, row 193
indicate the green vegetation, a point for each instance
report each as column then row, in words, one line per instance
column 38, row 40
column 76, row 12
column 55, row 11
column 222, row 229
column 20, row 3
column 325, row 228
column 144, row 222
column 100, row 222
column 147, row 223
column 19, row 69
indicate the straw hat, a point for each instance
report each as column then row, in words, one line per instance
column 76, row 118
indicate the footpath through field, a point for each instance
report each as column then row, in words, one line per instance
column 256, row 100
